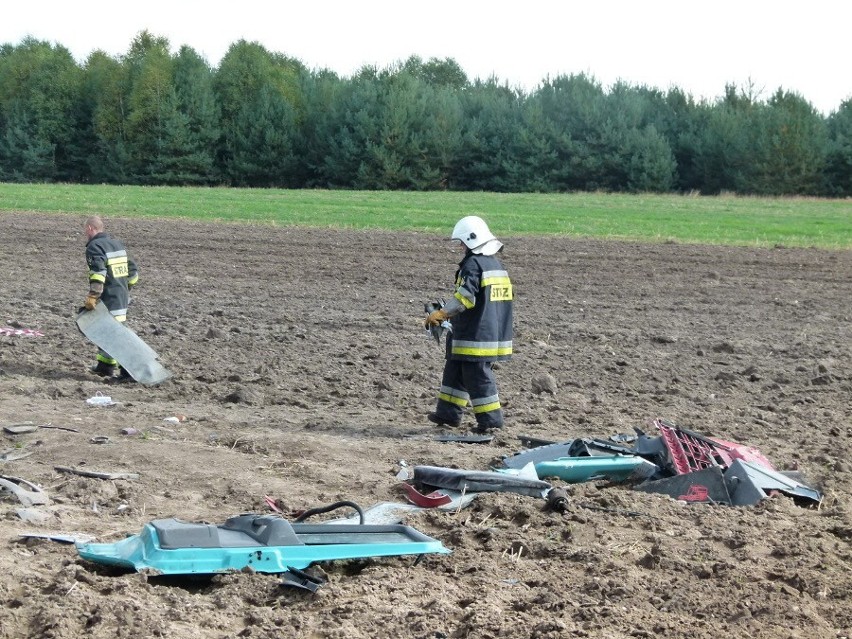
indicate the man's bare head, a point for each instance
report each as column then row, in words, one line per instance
column 93, row 226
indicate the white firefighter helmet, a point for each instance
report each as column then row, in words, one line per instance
column 474, row 233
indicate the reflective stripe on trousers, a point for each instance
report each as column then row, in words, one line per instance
column 472, row 382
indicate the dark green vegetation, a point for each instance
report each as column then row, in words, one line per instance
column 756, row 221
column 262, row 119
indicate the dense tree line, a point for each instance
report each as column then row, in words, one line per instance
column 262, row 119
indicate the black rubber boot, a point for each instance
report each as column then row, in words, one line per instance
column 102, row 369
column 485, row 429
column 489, row 421
column 441, row 421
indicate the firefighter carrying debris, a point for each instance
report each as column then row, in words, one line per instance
column 111, row 275
column 481, row 314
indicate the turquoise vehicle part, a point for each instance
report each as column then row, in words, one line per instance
column 579, row 469
column 265, row 543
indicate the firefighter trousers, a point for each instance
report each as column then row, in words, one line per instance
column 466, row 382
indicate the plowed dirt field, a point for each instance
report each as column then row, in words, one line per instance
column 304, row 374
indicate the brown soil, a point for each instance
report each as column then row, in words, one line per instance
column 300, row 362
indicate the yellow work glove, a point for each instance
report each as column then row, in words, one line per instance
column 435, row 318
column 91, row 302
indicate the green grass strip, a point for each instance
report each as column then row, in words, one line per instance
column 725, row 219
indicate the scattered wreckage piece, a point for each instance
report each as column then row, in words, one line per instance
column 742, row 484
column 28, row 493
column 384, row 513
column 95, row 474
column 135, row 356
column 706, row 463
column 319, row 510
column 480, row 481
column 689, row 451
column 32, row 515
column 465, row 439
column 431, row 500
column 534, row 442
column 62, row 538
column 539, row 453
column 680, row 463
column 65, row 428
column 295, row 578
column 20, row 429
column 597, row 447
column 264, row 543
column 389, row 512
column 12, row 331
column 14, row 454
column 435, row 332
column 558, row 500
column 749, row 483
column 581, row 460
column 705, row 486
column 616, row 468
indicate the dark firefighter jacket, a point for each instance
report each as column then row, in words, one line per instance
column 483, row 331
column 109, row 264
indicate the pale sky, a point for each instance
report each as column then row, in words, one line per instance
column 696, row 45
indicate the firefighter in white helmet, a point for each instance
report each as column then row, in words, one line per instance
column 480, row 312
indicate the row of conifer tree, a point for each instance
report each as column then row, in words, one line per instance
column 262, row 119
